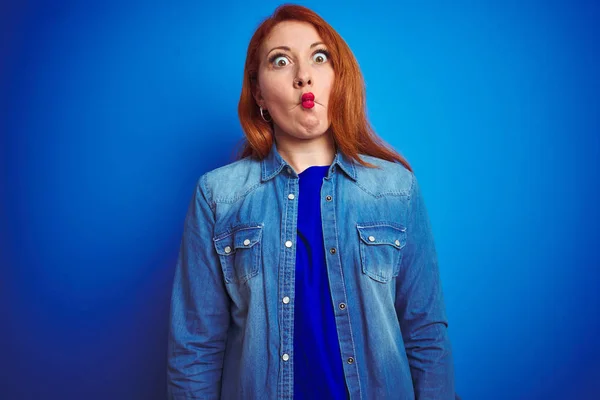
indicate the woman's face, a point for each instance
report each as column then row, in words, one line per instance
column 294, row 61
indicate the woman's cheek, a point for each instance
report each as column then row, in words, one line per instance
column 276, row 93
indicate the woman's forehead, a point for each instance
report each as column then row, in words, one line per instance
column 294, row 34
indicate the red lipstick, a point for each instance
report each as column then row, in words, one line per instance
column 308, row 100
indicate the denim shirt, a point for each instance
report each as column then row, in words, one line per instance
column 232, row 306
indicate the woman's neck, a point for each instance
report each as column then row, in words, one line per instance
column 304, row 153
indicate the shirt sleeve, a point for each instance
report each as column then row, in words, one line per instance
column 199, row 315
column 420, row 307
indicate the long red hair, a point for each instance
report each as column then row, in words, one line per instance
column 349, row 125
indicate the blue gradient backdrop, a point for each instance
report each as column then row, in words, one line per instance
column 110, row 113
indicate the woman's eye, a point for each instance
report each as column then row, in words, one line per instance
column 320, row 57
column 281, row 61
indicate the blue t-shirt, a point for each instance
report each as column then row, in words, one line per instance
column 318, row 370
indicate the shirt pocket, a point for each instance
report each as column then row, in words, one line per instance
column 380, row 248
column 240, row 253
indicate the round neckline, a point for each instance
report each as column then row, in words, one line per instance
column 316, row 168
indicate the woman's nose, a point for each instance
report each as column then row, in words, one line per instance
column 302, row 82
column 302, row 78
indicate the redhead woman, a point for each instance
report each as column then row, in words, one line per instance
column 307, row 268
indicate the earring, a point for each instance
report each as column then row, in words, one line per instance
column 263, row 117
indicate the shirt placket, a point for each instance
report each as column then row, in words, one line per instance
column 337, row 286
column 287, row 285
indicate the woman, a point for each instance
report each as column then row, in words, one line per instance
column 307, row 268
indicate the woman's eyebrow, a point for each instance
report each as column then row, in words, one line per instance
column 288, row 49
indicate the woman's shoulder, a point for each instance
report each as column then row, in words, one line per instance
column 387, row 177
column 232, row 180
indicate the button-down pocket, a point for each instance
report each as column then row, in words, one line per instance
column 240, row 251
column 381, row 249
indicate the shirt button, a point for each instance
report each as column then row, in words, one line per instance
column 286, row 300
column 227, row 249
column 332, row 250
column 342, row 306
column 288, row 243
column 291, row 196
column 371, row 238
column 289, row 170
column 397, row 242
column 350, row 360
column 285, row 357
column 328, row 198
column 246, row 242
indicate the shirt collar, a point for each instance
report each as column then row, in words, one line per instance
column 273, row 164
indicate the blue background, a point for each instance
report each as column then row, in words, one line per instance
column 110, row 113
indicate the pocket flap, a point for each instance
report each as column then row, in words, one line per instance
column 240, row 238
column 394, row 235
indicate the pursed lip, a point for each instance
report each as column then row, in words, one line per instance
column 308, row 96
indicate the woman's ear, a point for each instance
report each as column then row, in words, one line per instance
column 256, row 93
